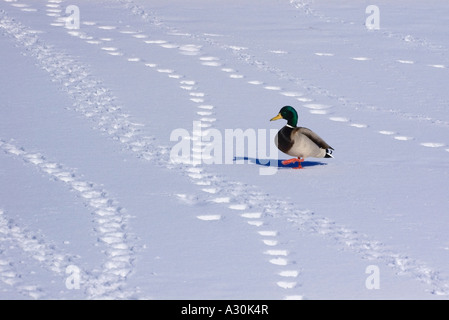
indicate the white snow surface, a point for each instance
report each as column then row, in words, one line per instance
column 93, row 207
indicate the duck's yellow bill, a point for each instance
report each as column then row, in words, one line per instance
column 279, row 116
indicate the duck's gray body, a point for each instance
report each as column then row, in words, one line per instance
column 302, row 142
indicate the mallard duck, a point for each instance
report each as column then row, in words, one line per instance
column 299, row 142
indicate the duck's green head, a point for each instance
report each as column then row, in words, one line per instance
column 288, row 113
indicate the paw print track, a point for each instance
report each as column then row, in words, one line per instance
column 433, row 144
column 110, row 221
column 15, row 236
column 276, row 256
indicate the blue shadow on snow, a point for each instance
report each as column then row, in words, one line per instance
column 278, row 162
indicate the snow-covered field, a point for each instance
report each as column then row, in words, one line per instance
column 94, row 204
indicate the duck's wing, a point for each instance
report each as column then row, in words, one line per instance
column 314, row 137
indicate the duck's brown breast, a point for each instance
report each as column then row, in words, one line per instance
column 283, row 139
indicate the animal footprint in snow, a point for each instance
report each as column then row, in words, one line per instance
column 94, row 42
column 270, row 242
column 403, row 138
column 279, row 261
column 274, row 88
column 237, row 48
column 405, row 61
column 287, row 284
column 19, row 5
column 361, row 58
column 221, row 200
column 165, row 70
column 252, row 215
column 210, row 190
column 291, row 94
column 210, row 61
column 195, row 173
column 237, row 206
column 190, row 49
column 169, row 46
column 188, row 199
column 253, row 218
column 255, row 82
column 209, row 58
column 268, row 233
column 155, row 41
column 289, row 273
column 188, row 82
column 204, row 113
column 339, row 119
column 206, row 107
column 278, row 51
column 256, row 223
column 387, row 132
column 324, row 54
column 140, row 36
column 359, row 125
column 210, row 217
column 432, row 144
column 54, row 14
column 107, row 27
column 316, row 108
column 438, row 66
column 206, row 119
column 197, row 94
column 115, row 53
column 109, row 49
column 276, row 252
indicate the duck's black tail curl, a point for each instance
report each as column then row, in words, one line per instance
column 328, row 153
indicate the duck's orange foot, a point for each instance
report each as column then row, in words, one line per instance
column 290, row 161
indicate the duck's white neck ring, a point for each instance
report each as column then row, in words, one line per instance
column 287, row 125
